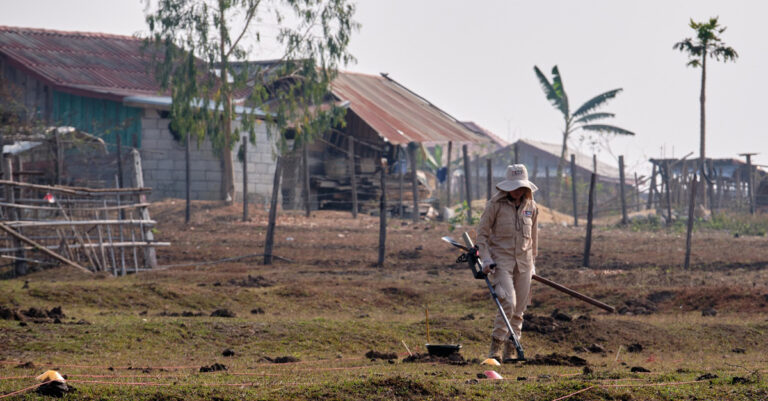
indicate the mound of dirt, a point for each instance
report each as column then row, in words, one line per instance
column 185, row 313
column 213, row 368
column 539, row 324
column 281, row 359
column 252, row 282
column 26, row 365
column 37, row 315
column 637, row 307
column 556, row 359
column 55, row 389
column 10, row 314
column 380, row 355
column 452, row 359
column 222, row 313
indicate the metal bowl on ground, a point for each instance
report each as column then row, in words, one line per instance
column 443, row 349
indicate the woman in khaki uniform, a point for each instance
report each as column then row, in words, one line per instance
column 508, row 237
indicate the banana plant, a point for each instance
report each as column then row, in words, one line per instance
column 586, row 117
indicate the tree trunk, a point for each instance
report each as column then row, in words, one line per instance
column 563, row 151
column 228, row 183
column 702, row 119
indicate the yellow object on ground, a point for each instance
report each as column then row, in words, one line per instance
column 50, row 375
column 490, row 361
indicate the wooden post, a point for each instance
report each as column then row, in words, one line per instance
column 270, row 240
column 594, row 170
column 624, row 219
column 383, row 214
column 652, row 187
column 588, row 241
column 188, row 178
column 245, row 178
column 19, row 265
column 707, row 167
column 691, row 206
column 489, row 174
column 477, row 178
column 401, row 171
column 59, row 158
column 517, row 153
column 720, row 188
column 666, row 178
column 352, row 176
column 414, row 182
column 637, row 193
column 750, row 182
column 306, row 191
column 547, row 196
column 684, row 178
column 448, row 177
column 150, row 254
column 467, row 186
column 573, row 186
column 119, row 160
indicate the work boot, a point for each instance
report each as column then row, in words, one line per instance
column 510, row 352
column 495, row 351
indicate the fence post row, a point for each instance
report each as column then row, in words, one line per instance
column 573, row 186
column 624, row 219
column 448, row 176
column 414, row 181
column 590, row 207
column 383, row 214
column 489, row 179
column 467, row 186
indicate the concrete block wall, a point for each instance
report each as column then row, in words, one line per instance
column 164, row 167
column 163, row 164
column 261, row 167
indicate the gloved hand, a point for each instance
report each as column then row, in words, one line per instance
column 490, row 268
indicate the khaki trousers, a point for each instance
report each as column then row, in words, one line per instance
column 513, row 288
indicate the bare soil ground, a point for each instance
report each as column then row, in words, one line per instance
column 324, row 305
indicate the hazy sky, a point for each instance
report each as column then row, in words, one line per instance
column 474, row 59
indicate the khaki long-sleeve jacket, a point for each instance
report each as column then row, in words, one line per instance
column 507, row 235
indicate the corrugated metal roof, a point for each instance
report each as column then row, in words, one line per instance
column 397, row 114
column 583, row 161
column 482, row 131
column 109, row 66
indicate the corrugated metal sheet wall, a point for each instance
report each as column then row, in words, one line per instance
column 103, row 118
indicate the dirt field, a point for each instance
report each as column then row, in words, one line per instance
column 324, row 304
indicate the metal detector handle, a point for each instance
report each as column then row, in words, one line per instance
column 474, row 258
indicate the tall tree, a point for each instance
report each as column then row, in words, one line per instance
column 583, row 118
column 706, row 44
column 201, row 57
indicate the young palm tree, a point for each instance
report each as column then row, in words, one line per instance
column 707, row 43
column 584, row 117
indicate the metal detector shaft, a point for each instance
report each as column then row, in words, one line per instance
column 512, row 335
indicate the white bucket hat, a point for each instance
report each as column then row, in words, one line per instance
column 517, row 177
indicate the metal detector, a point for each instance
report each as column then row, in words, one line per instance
column 472, row 257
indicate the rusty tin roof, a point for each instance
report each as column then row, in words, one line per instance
column 97, row 64
column 397, row 114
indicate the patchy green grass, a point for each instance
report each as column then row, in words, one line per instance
column 331, row 306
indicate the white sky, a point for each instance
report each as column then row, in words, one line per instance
column 474, row 59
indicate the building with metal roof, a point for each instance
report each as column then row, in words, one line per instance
column 103, row 84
